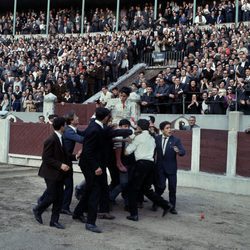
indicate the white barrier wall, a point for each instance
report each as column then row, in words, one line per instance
column 221, row 122
column 4, row 140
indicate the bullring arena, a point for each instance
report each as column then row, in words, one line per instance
column 180, row 60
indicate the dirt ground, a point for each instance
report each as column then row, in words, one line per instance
column 226, row 223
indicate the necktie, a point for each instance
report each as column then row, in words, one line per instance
column 163, row 145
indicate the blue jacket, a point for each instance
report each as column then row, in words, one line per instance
column 167, row 162
column 70, row 137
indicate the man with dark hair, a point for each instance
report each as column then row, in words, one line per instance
column 123, row 176
column 56, row 165
column 143, row 146
column 41, row 119
column 152, row 128
column 92, row 164
column 71, row 135
column 115, row 92
column 51, row 118
column 167, row 148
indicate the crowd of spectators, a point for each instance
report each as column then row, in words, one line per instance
column 68, row 20
column 72, row 68
column 215, row 63
column 212, row 78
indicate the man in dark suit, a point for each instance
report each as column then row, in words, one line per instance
column 92, row 164
column 216, row 103
column 140, row 46
column 148, row 101
column 167, row 148
column 115, row 61
column 175, row 96
column 56, row 165
column 71, row 135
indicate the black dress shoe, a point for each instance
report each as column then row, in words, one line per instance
column 38, row 216
column 173, row 211
column 167, row 209
column 93, row 228
column 57, row 225
column 133, row 217
column 106, row 216
column 81, row 218
column 66, row 211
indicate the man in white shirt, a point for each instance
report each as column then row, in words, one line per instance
column 143, row 147
column 105, row 95
column 200, row 19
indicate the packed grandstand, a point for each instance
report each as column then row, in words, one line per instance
column 204, row 59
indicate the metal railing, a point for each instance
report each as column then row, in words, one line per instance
column 181, row 107
column 163, row 59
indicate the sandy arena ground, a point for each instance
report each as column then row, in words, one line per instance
column 226, row 224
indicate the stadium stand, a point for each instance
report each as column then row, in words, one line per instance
column 205, row 66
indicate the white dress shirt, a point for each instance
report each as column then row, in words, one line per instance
column 99, row 123
column 164, row 143
column 74, row 128
column 59, row 136
column 105, row 98
column 143, row 147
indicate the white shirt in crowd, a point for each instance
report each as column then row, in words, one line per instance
column 143, row 147
column 204, row 107
column 245, row 7
column 104, row 98
column 200, row 20
column 125, row 64
column 120, row 111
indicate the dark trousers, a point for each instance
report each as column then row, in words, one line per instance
column 95, row 187
column 160, row 185
column 113, row 170
column 67, row 194
column 104, row 197
column 142, row 179
column 54, row 196
column 115, row 69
